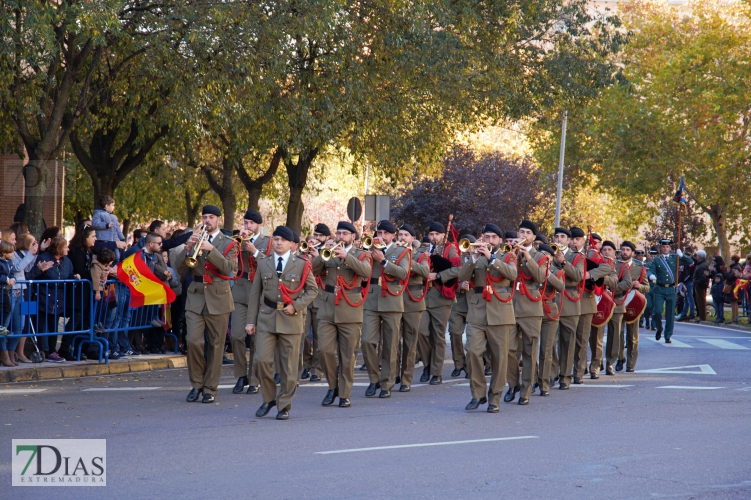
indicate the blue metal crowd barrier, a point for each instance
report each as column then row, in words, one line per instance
column 36, row 308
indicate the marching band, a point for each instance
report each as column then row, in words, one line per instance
column 530, row 309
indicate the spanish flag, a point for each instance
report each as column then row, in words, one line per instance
column 145, row 288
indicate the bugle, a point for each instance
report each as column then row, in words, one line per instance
column 328, row 253
column 305, row 246
column 465, row 245
column 192, row 259
column 369, row 242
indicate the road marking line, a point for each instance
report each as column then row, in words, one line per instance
column 703, row 370
column 21, row 391
column 614, row 386
column 444, row 443
column 674, row 343
column 102, row 389
column 744, row 389
column 723, row 344
column 687, row 387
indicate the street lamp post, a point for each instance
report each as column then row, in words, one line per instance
column 560, row 171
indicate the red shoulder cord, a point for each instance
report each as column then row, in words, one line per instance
column 389, row 279
column 253, row 264
column 620, row 276
column 449, row 292
column 344, row 285
column 489, row 291
column 427, row 283
column 523, row 286
column 208, row 267
column 580, row 285
column 287, row 292
column 549, row 298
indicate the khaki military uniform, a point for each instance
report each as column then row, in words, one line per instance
column 458, row 322
column 240, row 292
column 549, row 328
column 619, row 282
column 528, row 312
column 207, row 308
column 574, row 268
column 382, row 316
column 275, row 328
column 584, row 328
column 339, row 325
column 638, row 274
column 414, row 307
column 490, row 323
column 432, row 342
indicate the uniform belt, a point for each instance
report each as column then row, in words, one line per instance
column 332, row 289
column 416, row 288
column 276, row 305
column 480, row 289
column 668, row 285
column 198, row 279
column 244, row 275
column 374, row 281
column 572, row 288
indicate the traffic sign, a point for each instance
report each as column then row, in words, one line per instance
column 354, row 209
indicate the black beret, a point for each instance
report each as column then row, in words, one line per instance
column 563, row 230
column 576, row 232
column 596, row 236
column 284, row 232
column 546, row 248
column 409, row 229
column 211, row 210
column 510, row 234
column 437, row 227
column 386, row 225
column 254, row 216
column 629, row 245
column 425, row 239
column 666, row 241
column 608, row 243
column 541, row 237
column 343, row 225
column 226, row 232
column 471, row 238
column 323, row 229
column 528, row 224
column 492, row 228
column 295, row 237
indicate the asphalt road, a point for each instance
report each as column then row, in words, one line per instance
column 679, row 427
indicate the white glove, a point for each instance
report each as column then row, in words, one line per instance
column 679, row 252
column 652, row 277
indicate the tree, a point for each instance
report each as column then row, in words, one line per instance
column 683, row 108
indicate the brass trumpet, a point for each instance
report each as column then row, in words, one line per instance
column 240, row 239
column 192, row 259
column 305, row 246
column 506, row 248
column 402, row 244
column 328, row 253
column 465, row 245
column 368, row 242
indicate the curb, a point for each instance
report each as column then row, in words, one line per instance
column 32, row 374
column 729, row 326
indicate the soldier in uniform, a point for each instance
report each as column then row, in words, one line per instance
column 511, row 238
column 619, row 283
column 438, row 302
column 555, row 285
column 662, row 273
column 311, row 353
column 209, row 303
column 648, row 322
column 573, row 265
column 532, row 273
column 383, row 310
column 490, row 319
column 340, row 311
column 283, row 287
column 458, row 318
column 414, row 305
column 640, row 283
column 254, row 247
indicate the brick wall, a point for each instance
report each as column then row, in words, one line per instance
column 12, row 194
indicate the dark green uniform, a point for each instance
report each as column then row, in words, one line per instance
column 661, row 273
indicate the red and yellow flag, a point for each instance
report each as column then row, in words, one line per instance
column 145, row 288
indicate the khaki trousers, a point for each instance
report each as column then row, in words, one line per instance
column 205, row 373
column 529, row 329
column 433, row 326
column 410, row 329
column 548, row 334
column 311, row 353
column 385, row 325
column 243, row 365
column 566, row 347
column 457, row 324
column 582, row 339
column 596, row 337
column 632, row 344
column 614, row 339
column 493, row 341
column 288, row 347
column 338, row 340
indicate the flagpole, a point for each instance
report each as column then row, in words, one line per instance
column 678, row 245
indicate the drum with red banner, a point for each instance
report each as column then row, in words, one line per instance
column 636, row 303
column 605, row 308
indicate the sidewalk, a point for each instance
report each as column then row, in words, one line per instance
column 729, row 326
column 28, row 372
